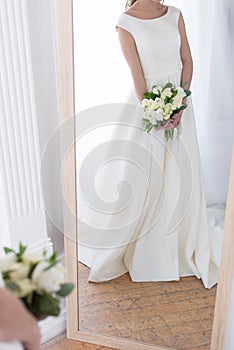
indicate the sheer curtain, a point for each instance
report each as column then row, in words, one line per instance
column 210, row 30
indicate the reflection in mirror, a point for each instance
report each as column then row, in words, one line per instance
column 150, row 211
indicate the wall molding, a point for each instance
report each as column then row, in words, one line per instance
column 53, row 326
column 44, row 245
column 19, row 138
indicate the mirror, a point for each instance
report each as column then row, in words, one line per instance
column 121, row 313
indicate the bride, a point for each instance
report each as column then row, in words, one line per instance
column 164, row 234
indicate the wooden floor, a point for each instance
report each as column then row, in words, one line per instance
column 176, row 314
column 60, row 343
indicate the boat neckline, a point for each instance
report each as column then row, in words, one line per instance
column 148, row 19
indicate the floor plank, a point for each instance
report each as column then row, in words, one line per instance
column 177, row 314
column 61, row 343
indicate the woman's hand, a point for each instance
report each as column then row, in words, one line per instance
column 174, row 121
column 16, row 323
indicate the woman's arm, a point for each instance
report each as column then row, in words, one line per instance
column 187, row 66
column 129, row 49
column 16, row 323
column 185, row 54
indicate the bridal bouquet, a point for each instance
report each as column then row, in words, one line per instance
column 161, row 104
column 36, row 279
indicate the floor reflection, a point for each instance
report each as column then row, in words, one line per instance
column 177, row 314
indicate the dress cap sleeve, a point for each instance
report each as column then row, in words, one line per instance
column 123, row 22
column 175, row 12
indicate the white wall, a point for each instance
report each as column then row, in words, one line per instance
column 29, row 115
column 42, row 26
column 100, row 68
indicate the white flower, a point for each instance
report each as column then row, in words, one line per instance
column 48, row 280
column 147, row 114
column 156, row 116
column 166, row 116
column 174, row 107
column 146, row 103
column 159, row 114
column 153, row 119
column 166, row 93
column 2, row 283
column 158, row 103
column 26, row 287
column 20, row 271
column 180, row 92
column 177, row 101
column 168, row 108
column 33, row 257
column 7, row 262
column 156, row 88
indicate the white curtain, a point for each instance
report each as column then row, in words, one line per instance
column 210, row 30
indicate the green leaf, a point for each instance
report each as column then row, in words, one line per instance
column 8, row 250
column 13, row 286
column 29, row 298
column 167, row 100
column 65, row 289
column 183, row 107
column 53, row 258
column 158, row 94
column 187, row 92
column 22, row 248
column 50, row 266
column 174, row 93
column 32, row 268
column 52, row 261
column 184, row 84
column 43, row 305
column 6, row 275
column 21, row 252
column 169, row 134
column 150, row 95
column 168, row 85
column 148, row 127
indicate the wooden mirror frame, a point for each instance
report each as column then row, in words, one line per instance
column 67, row 110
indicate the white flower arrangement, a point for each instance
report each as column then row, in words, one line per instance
column 161, row 104
column 39, row 281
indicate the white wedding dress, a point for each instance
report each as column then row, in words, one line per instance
column 156, row 225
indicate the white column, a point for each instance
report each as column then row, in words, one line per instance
column 19, row 145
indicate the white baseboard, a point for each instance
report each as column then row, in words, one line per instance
column 53, row 326
column 11, row 346
column 40, row 246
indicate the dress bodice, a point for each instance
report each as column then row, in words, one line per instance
column 157, row 41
